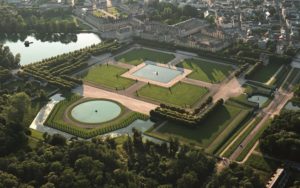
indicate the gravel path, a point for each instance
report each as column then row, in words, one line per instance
column 133, row 104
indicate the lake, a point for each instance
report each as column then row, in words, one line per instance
column 45, row 47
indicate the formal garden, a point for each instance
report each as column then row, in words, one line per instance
column 218, row 125
column 180, row 94
column 107, row 76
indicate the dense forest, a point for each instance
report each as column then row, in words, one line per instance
column 24, row 20
column 282, row 138
column 54, row 162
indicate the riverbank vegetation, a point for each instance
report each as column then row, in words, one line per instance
column 7, row 59
column 15, row 20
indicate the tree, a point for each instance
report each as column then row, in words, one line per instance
column 188, row 180
column 56, row 140
column 19, row 105
column 235, row 176
column 8, row 180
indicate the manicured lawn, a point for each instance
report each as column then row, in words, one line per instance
column 264, row 73
column 206, row 71
column 181, row 94
column 229, row 131
column 204, row 134
column 137, row 56
column 108, row 76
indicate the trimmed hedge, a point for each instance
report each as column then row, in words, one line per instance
column 183, row 116
column 241, row 70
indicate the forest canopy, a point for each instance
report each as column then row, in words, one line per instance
column 282, row 137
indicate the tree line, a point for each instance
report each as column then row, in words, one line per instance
column 15, row 20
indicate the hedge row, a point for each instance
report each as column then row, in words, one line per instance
column 189, row 119
column 203, row 105
column 241, row 70
column 55, row 70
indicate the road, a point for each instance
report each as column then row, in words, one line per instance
column 280, row 99
column 274, row 108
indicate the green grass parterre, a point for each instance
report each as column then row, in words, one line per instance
column 108, row 76
column 230, row 129
column 204, row 134
column 206, row 71
column 181, row 94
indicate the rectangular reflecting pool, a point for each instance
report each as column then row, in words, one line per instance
column 157, row 73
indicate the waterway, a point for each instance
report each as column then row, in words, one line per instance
column 46, row 46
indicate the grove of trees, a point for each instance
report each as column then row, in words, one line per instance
column 170, row 13
column 7, row 59
column 24, row 20
column 282, row 138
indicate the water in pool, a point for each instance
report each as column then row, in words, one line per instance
column 96, row 111
column 295, row 106
column 157, row 73
column 260, row 99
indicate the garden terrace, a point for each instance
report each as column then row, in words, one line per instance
column 57, row 70
column 180, row 94
column 58, row 120
column 108, row 76
column 206, row 71
column 138, row 56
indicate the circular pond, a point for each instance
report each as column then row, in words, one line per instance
column 96, row 111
